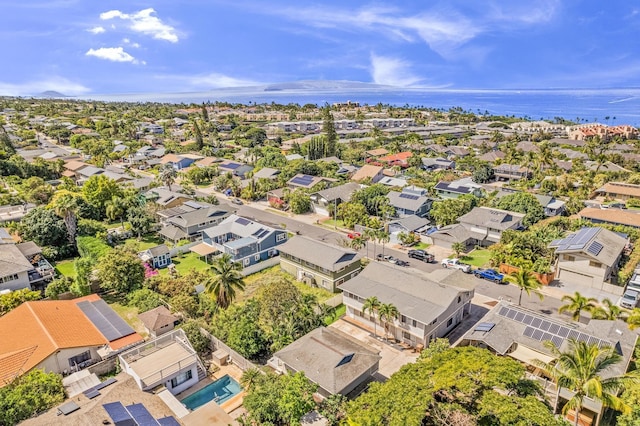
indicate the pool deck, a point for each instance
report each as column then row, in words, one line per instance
column 229, row 405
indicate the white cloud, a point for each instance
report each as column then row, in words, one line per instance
column 115, row 54
column 392, row 71
column 96, row 30
column 145, row 22
column 31, row 88
column 130, row 43
column 205, row 81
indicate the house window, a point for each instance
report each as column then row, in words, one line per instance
column 281, row 237
column 246, row 261
column 74, row 361
column 340, row 281
column 256, row 257
column 595, row 264
column 449, row 322
column 403, row 319
column 459, row 299
column 181, row 378
column 414, row 323
column 406, row 335
column 435, row 321
column 9, row 278
column 569, row 258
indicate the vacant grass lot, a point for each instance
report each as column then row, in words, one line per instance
column 253, row 284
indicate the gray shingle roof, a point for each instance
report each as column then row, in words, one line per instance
column 411, row 223
column 12, row 261
column 318, row 253
column 343, row 192
column 411, row 291
column 322, row 353
column 491, row 218
column 200, row 216
column 599, row 243
column 266, row 173
column 414, row 204
column 242, row 228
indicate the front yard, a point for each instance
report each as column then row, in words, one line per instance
column 478, row 258
column 186, row 262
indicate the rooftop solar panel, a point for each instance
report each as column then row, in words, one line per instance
column 511, row 314
column 537, row 334
column 595, row 248
column 114, row 319
column 91, row 393
column 409, row 196
column 242, row 221
column 536, row 322
column 529, row 331
column 231, row 166
column 554, row 328
column 557, row 340
column 484, row 326
column 519, row 316
column 141, row 415
column 168, row 421
column 102, row 324
column 545, row 325
column 563, row 332
column 503, row 311
column 119, row 414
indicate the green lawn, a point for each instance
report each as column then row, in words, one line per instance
column 340, row 311
column 477, row 258
column 420, row 246
column 146, row 242
column 252, row 285
column 333, row 223
column 66, row 268
column 186, row 263
column 130, row 315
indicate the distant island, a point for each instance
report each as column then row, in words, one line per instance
column 51, row 94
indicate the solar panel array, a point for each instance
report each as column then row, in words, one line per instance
column 542, row 330
column 409, row 196
column 242, row 221
column 231, row 166
column 595, row 248
column 484, row 326
column 578, row 240
column 303, row 180
column 105, row 319
column 135, row 415
column 260, row 233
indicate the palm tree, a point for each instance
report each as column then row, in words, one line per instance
column 458, row 247
column 383, row 237
column 168, row 175
column 250, row 377
column 580, row 370
column 388, row 312
column 610, row 311
column 357, row 242
column 66, row 203
column 116, row 208
column 577, row 304
column 526, row 281
column 226, row 280
column 371, row 235
column 633, row 320
column 371, row 304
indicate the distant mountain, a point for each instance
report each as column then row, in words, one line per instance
column 324, row 85
column 51, row 94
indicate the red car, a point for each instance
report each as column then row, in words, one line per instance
column 353, row 235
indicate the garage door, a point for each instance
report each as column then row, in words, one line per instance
column 321, row 210
column 576, row 278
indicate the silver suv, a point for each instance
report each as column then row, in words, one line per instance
column 629, row 299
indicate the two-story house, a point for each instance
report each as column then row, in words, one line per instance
column 427, row 309
column 411, row 201
column 323, row 202
column 307, row 181
column 191, row 219
column 511, row 172
column 482, row 226
column 247, row 242
column 457, row 188
column 23, row 266
column 319, row 264
column 588, row 257
column 619, row 191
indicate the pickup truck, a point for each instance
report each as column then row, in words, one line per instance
column 421, row 255
column 456, row 264
column 489, row 274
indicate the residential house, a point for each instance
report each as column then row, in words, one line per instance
column 23, row 266
column 176, row 161
column 611, row 216
column 337, row 362
column 482, row 226
column 246, row 241
column 589, row 257
column 235, row 168
column 411, row 201
column 427, row 309
column 393, row 182
column 400, row 159
column 511, row 172
column 368, row 171
column 343, row 168
column 319, row 264
column 619, row 191
column 492, row 156
column 163, row 197
column 519, row 333
column 375, row 153
column 157, row 257
column 324, row 202
column 15, row 213
column 158, row 321
column 207, row 162
column 167, row 360
column 60, row 336
column 552, row 206
column 307, row 181
column 266, row 173
column 457, row 188
column 438, row 163
column 187, row 221
column 407, row 225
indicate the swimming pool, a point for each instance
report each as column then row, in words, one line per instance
column 218, row 391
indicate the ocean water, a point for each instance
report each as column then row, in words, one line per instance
column 621, row 106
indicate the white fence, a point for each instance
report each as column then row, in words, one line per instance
column 252, row 269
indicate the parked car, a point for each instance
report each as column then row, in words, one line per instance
column 382, row 257
column 489, row 274
column 629, row 299
column 422, row 255
column 634, row 283
column 237, row 201
column 401, row 262
column 353, row 235
column 456, row 264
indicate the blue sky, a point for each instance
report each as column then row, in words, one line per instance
column 85, row 46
